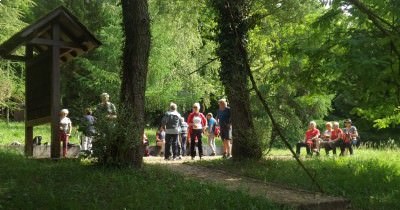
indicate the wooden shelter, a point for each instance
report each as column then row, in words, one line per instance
column 56, row 38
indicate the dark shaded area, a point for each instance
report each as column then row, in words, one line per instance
column 69, row 184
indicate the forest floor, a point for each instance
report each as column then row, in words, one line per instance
column 279, row 194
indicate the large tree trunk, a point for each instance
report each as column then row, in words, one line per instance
column 136, row 25
column 234, row 75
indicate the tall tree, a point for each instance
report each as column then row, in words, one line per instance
column 136, row 25
column 232, row 39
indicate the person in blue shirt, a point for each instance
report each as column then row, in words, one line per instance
column 211, row 132
column 224, row 121
column 88, row 130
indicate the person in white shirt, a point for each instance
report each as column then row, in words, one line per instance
column 172, row 124
column 197, row 125
column 65, row 130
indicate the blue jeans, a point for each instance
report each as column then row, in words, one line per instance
column 171, row 139
column 182, row 148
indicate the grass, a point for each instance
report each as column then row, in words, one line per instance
column 72, row 184
column 15, row 131
column 370, row 178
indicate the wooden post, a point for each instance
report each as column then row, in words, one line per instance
column 28, row 128
column 28, row 140
column 55, row 93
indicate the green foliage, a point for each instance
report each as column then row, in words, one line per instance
column 177, row 72
column 370, row 179
column 282, row 49
column 11, row 73
column 365, row 58
column 312, row 59
column 70, row 184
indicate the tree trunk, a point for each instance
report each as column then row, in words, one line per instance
column 136, row 25
column 234, row 63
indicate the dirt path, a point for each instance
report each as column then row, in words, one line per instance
column 299, row 199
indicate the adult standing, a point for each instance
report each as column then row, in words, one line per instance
column 197, row 125
column 106, row 109
column 224, row 121
column 88, row 130
column 211, row 132
column 172, row 123
column 65, row 130
column 350, row 135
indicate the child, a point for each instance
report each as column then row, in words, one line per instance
column 160, row 140
column 146, row 145
column 65, row 129
column 88, row 130
column 184, row 134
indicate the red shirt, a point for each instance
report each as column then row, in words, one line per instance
column 192, row 115
column 336, row 133
column 311, row 134
column 190, row 120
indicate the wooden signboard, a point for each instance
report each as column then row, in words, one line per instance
column 56, row 38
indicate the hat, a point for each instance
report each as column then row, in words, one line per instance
column 347, row 121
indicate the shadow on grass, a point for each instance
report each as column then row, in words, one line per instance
column 70, row 184
column 368, row 183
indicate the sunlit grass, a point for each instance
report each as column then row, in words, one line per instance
column 370, row 178
column 15, row 131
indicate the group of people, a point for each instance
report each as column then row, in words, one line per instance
column 333, row 137
column 175, row 133
column 105, row 109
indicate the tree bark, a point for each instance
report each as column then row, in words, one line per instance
column 234, row 63
column 136, row 26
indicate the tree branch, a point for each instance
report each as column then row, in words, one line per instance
column 275, row 125
column 379, row 23
column 204, row 65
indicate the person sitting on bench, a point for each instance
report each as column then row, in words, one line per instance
column 350, row 134
column 160, row 140
column 335, row 139
column 310, row 139
column 326, row 138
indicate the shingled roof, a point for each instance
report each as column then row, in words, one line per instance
column 75, row 38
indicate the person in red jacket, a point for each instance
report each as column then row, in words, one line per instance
column 197, row 125
column 310, row 138
column 335, row 139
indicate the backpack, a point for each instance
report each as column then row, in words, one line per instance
column 171, row 121
column 217, row 131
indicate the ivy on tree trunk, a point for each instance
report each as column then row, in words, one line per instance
column 232, row 52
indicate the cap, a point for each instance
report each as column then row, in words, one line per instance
column 347, row 121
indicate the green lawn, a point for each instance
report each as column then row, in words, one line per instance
column 15, row 131
column 370, row 178
column 72, row 184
